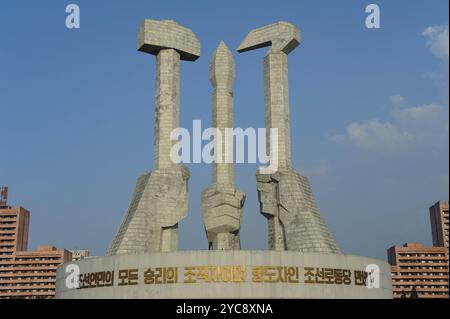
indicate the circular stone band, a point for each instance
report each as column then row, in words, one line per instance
column 225, row 274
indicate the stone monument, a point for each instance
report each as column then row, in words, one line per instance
column 143, row 261
column 160, row 199
column 221, row 202
column 285, row 196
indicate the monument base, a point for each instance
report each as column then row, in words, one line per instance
column 225, row 274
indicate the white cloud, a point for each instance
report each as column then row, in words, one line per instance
column 437, row 41
column 377, row 136
column 423, row 112
column 409, row 126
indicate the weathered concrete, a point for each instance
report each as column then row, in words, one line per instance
column 222, row 203
column 285, row 196
column 157, row 35
column 294, row 221
column 159, row 202
column 283, row 38
column 160, row 199
column 170, row 42
column 226, row 274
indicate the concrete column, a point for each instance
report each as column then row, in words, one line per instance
column 222, row 203
column 276, row 90
column 276, row 234
column 222, row 75
column 285, row 196
column 160, row 199
column 167, row 105
column 169, row 239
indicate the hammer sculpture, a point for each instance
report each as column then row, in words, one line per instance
column 160, row 199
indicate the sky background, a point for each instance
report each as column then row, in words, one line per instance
column 369, row 114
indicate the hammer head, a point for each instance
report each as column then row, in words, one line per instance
column 155, row 35
column 282, row 36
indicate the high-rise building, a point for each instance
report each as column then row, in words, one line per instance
column 25, row 274
column 419, row 267
column 32, row 274
column 439, row 224
column 422, row 271
column 13, row 231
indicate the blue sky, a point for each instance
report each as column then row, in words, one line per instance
column 369, row 113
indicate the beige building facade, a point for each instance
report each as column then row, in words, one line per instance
column 25, row 274
column 419, row 271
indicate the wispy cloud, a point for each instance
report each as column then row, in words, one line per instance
column 406, row 128
column 411, row 125
column 378, row 136
column 418, row 113
column 437, row 41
